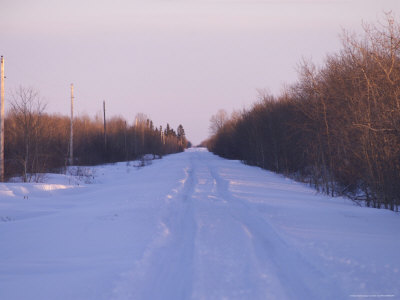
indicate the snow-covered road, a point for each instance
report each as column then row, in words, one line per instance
column 192, row 226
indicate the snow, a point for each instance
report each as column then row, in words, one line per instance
column 191, row 226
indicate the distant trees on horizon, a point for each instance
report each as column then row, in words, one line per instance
column 38, row 142
column 337, row 128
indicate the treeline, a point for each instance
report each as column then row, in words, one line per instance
column 337, row 128
column 38, row 142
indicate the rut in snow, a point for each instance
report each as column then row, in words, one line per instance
column 214, row 245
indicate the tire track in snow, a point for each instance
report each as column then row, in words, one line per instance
column 214, row 245
column 293, row 276
column 223, row 267
column 166, row 268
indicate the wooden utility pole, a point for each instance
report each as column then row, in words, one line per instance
column 2, row 122
column 136, row 148
column 126, row 147
column 105, row 125
column 71, row 138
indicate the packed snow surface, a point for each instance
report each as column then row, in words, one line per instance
column 191, row 226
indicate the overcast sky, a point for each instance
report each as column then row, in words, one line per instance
column 176, row 61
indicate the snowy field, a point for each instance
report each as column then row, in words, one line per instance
column 191, row 226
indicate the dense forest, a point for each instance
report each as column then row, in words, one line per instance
column 37, row 142
column 337, row 127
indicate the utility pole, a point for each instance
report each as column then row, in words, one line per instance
column 71, row 139
column 136, row 148
column 105, row 125
column 126, row 148
column 2, row 123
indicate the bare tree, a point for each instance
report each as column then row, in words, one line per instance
column 26, row 110
column 218, row 120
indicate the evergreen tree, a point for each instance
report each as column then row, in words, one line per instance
column 181, row 132
column 181, row 137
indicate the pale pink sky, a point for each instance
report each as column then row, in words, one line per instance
column 176, row 61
